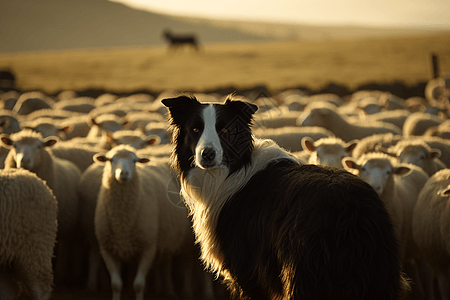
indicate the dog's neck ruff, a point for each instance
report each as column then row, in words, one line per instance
column 205, row 192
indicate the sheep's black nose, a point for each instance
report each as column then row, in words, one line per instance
column 208, row 154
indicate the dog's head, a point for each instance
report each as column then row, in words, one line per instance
column 208, row 135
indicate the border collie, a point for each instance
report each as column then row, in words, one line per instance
column 271, row 227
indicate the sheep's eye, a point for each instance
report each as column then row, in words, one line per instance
column 195, row 130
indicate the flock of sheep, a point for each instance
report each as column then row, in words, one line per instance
column 85, row 183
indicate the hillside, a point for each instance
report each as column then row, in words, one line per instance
column 30, row 25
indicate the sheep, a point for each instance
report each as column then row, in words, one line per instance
column 290, row 138
column 28, row 211
column 47, row 127
column 430, row 228
column 398, row 186
column 442, row 130
column 134, row 138
column 9, row 122
column 138, row 120
column 105, row 99
column 80, row 104
column 326, row 117
column 395, row 117
column 276, row 118
column 328, row 151
column 441, row 144
column 32, row 101
column 28, row 150
column 374, row 142
column 134, row 217
column 57, row 114
column 105, row 122
column 8, row 99
column 417, row 152
column 79, row 154
column 417, row 123
column 160, row 129
column 118, row 109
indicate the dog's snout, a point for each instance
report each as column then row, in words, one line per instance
column 208, row 154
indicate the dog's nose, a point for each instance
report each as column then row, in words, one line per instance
column 208, row 154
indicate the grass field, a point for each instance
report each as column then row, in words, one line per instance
column 278, row 65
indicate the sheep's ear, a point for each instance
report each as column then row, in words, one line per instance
column 308, row 144
column 66, row 129
column 93, row 122
column 50, row 141
column 143, row 160
column 109, row 137
column 100, row 158
column 351, row 145
column 6, row 141
column 350, row 163
column 445, row 192
column 125, row 122
column 153, row 140
column 4, row 122
column 435, row 153
column 401, row 170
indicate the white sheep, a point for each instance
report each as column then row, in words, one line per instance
column 134, row 217
column 9, row 122
column 398, row 185
column 28, row 211
column 441, row 144
column 47, row 127
column 135, row 138
column 417, row 123
column 79, row 154
column 374, row 142
column 160, row 129
column 28, row 150
column 431, row 228
column 57, row 114
column 290, row 138
column 276, row 118
column 316, row 114
column 419, row 153
column 328, row 151
column 395, row 117
column 105, row 122
column 32, row 101
column 80, row 104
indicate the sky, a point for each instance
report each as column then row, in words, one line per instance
column 400, row 13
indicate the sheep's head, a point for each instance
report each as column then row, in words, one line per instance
column 132, row 138
column 376, row 169
column 120, row 163
column 419, row 154
column 26, row 147
column 328, row 151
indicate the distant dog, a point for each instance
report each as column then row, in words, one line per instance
column 176, row 41
column 273, row 228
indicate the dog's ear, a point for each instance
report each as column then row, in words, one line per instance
column 242, row 106
column 180, row 102
column 180, row 107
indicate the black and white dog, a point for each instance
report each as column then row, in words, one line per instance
column 272, row 227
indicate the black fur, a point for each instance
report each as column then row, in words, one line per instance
column 295, row 231
column 176, row 41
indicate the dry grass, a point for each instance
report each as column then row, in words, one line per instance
column 276, row 64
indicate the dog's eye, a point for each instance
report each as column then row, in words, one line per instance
column 195, row 130
column 224, row 130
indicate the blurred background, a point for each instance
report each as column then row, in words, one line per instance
column 119, row 45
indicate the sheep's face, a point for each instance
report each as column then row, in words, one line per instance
column 27, row 151
column 135, row 141
column 376, row 171
column 120, row 165
column 328, row 152
column 418, row 155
